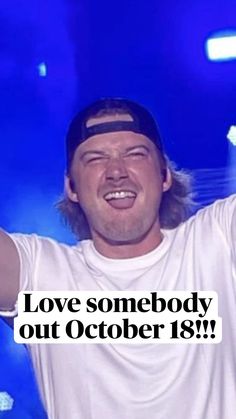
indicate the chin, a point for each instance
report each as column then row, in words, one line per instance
column 124, row 234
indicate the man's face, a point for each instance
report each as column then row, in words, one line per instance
column 118, row 182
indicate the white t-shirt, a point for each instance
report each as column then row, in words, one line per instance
column 157, row 381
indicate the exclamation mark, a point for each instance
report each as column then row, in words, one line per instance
column 213, row 324
column 198, row 325
column 205, row 325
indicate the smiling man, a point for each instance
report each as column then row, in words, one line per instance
column 123, row 174
column 129, row 208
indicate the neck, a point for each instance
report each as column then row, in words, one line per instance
column 127, row 250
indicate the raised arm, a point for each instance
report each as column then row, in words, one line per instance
column 9, row 272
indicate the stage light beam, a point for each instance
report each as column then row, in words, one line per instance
column 221, row 48
column 42, row 69
column 232, row 135
column 6, row 401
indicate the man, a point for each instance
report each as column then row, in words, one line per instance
column 127, row 201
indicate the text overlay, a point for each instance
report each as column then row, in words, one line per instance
column 118, row 317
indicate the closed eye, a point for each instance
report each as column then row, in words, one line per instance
column 137, row 154
column 92, row 157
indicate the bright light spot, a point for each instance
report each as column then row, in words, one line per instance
column 6, row 401
column 42, row 69
column 221, row 48
column 232, row 135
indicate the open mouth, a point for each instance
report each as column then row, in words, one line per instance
column 120, row 199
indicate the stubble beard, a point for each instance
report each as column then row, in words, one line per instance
column 121, row 231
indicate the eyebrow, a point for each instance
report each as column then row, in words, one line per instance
column 137, row 146
column 99, row 152
column 103, row 153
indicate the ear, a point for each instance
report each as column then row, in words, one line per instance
column 167, row 181
column 70, row 190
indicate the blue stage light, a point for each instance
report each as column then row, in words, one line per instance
column 6, row 401
column 42, row 69
column 232, row 135
column 221, row 46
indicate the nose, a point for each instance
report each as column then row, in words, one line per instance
column 116, row 170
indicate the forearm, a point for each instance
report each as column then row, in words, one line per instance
column 9, row 272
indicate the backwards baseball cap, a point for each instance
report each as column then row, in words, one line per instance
column 142, row 122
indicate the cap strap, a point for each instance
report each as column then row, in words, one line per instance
column 113, row 126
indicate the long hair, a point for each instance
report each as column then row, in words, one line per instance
column 176, row 205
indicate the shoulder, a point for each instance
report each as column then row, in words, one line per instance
column 35, row 246
column 222, row 212
column 217, row 219
column 45, row 258
column 226, row 207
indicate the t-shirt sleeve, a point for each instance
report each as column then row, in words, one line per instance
column 233, row 227
column 27, row 250
column 224, row 211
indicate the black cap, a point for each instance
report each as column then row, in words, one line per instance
column 142, row 123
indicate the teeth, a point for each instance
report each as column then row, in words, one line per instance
column 119, row 195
